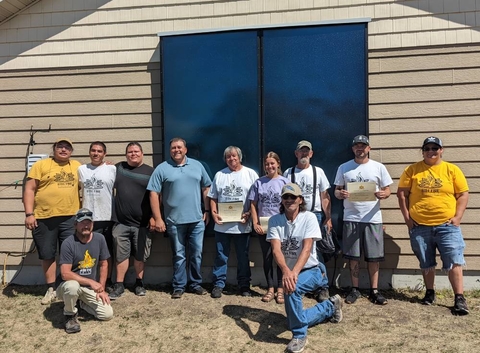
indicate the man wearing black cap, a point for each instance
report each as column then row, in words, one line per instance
column 50, row 199
column 83, row 255
column 292, row 234
column 362, row 227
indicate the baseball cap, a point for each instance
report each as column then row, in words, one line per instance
column 432, row 139
column 361, row 139
column 304, row 143
column 64, row 140
column 83, row 214
column 292, row 189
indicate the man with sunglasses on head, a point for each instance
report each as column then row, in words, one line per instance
column 51, row 199
column 362, row 220
column 96, row 181
column 83, row 272
column 292, row 234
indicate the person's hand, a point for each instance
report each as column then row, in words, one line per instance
column 343, row 194
column 328, row 223
column 245, row 217
column 258, row 228
column 160, row 226
column 217, row 218
column 206, row 217
column 410, row 223
column 455, row 221
column 103, row 296
column 31, row 222
column 289, row 281
column 96, row 287
column 151, row 225
column 382, row 194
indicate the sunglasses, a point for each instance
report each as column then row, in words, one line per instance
column 289, row 197
column 428, row 149
column 84, row 214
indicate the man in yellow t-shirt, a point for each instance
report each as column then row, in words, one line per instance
column 433, row 195
column 51, row 200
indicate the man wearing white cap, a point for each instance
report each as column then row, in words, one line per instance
column 51, row 199
column 83, row 259
column 292, row 234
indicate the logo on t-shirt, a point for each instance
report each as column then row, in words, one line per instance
column 232, row 190
column 270, row 199
column 430, row 184
column 93, row 183
column 307, row 189
column 64, row 179
column 359, row 179
column 86, row 265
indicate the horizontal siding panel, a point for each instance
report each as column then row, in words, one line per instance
column 11, row 205
column 81, row 70
column 424, row 109
column 410, row 262
column 72, row 122
column 60, row 80
column 460, row 123
column 395, row 216
column 422, row 94
column 410, row 155
column 80, row 95
column 29, row 260
column 469, row 169
column 402, row 246
column 430, row 62
column 392, row 202
column 399, row 231
column 139, row 106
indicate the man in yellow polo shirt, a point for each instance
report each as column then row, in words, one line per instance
column 51, row 200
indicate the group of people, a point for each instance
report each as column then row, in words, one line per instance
column 75, row 204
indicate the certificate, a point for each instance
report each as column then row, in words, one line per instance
column 264, row 223
column 362, row 191
column 230, row 211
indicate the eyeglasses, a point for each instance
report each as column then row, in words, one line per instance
column 289, row 197
column 428, row 149
column 67, row 147
column 84, row 214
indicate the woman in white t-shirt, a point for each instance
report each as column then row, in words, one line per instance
column 265, row 202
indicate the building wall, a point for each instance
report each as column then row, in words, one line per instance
column 91, row 70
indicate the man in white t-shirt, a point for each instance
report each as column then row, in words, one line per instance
column 314, row 185
column 96, row 180
column 362, row 227
column 292, row 234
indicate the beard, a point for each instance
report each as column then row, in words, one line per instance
column 304, row 160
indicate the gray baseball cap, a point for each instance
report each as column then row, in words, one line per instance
column 361, row 139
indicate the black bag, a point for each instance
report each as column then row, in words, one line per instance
column 327, row 244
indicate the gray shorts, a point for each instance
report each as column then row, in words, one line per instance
column 363, row 236
column 129, row 240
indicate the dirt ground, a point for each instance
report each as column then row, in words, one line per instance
column 156, row 323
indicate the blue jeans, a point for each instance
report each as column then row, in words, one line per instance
column 446, row 237
column 299, row 319
column 241, row 243
column 181, row 236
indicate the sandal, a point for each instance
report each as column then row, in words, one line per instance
column 279, row 298
column 268, row 297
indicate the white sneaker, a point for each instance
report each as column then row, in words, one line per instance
column 49, row 297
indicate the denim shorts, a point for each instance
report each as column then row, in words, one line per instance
column 446, row 237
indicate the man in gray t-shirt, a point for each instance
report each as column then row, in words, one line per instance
column 83, row 273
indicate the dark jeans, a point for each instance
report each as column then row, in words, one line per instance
column 268, row 262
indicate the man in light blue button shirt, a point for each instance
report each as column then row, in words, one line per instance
column 178, row 184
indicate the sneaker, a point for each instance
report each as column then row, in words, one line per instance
column 245, row 292
column 321, row 294
column 117, row 291
column 353, row 296
column 216, row 292
column 140, row 291
column 71, row 324
column 297, row 345
column 50, row 296
column 376, row 298
column 337, row 304
column 177, row 294
column 460, row 306
column 429, row 297
column 199, row 291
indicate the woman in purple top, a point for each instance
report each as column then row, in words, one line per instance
column 265, row 202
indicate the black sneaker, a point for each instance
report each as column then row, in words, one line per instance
column 460, row 306
column 321, row 294
column 140, row 291
column 117, row 291
column 376, row 298
column 429, row 297
column 199, row 291
column 177, row 294
column 337, row 304
column 245, row 292
column 353, row 296
column 71, row 324
column 216, row 292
